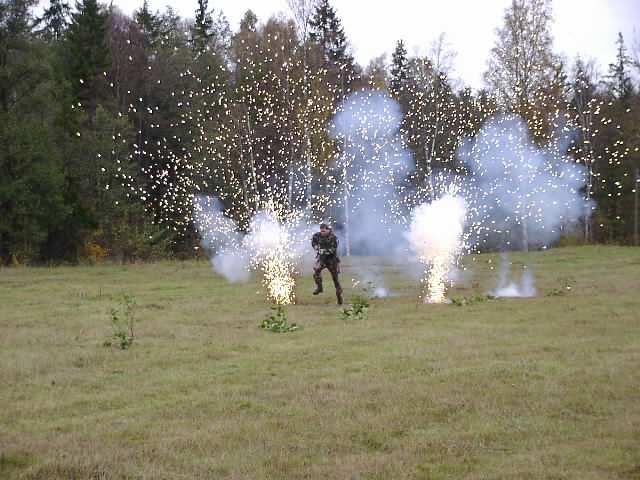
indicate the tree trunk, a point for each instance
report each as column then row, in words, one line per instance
column 254, row 176
column 347, row 228
column 636, row 235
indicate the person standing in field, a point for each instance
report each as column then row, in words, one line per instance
column 325, row 243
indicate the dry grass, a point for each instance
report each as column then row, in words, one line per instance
column 511, row 389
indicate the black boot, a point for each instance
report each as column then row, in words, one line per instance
column 317, row 291
column 339, row 295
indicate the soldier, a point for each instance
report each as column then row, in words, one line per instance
column 325, row 244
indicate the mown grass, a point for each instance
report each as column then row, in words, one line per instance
column 537, row 388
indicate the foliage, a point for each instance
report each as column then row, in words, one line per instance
column 123, row 323
column 87, row 53
column 567, row 285
column 522, row 64
column 399, row 69
column 471, row 300
column 358, row 308
column 277, row 322
column 95, row 253
column 328, row 33
column 55, row 20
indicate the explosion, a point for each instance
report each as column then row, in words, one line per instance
column 436, row 235
column 272, row 244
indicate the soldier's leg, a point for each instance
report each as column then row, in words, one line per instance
column 334, row 268
column 317, row 276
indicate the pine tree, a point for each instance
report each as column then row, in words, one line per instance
column 619, row 79
column 170, row 31
column 149, row 23
column 327, row 32
column 616, row 169
column 399, row 63
column 87, row 53
column 31, row 179
column 202, row 31
column 55, row 20
column 249, row 22
column 15, row 27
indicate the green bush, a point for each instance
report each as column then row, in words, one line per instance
column 472, row 300
column 277, row 322
column 123, row 323
column 565, row 288
column 358, row 309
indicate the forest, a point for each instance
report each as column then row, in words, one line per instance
column 110, row 124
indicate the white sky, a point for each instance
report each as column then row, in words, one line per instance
column 585, row 27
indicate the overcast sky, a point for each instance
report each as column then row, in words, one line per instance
column 585, row 27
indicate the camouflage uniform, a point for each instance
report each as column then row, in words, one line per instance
column 327, row 257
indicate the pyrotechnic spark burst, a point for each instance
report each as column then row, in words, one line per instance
column 436, row 235
column 275, row 253
column 272, row 246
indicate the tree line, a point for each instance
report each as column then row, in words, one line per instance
column 106, row 119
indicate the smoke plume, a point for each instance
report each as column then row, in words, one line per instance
column 521, row 194
column 508, row 288
column 372, row 173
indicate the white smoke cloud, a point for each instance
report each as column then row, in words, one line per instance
column 232, row 265
column 524, row 193
column 221, row 238
column 372, row 189
column 506, row 287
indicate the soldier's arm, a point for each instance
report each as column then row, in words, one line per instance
column 314, row 241
column 334, row 245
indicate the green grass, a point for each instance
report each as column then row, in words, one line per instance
column 537, row 388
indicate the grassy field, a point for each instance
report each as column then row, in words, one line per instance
column 542, row 388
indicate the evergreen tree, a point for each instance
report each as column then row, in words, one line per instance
column 87, row 54
column 15, row 27
column 149, row 23
column 55, row 20
column 432, row 123
column 327, row 31
column 202, row 32
column 32, row 186
column 399, row 63
column 169, row 29
column 615, row 170
column 619, row 78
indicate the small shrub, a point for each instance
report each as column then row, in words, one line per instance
column 95, row 253
column 472, row 300
column 122, row 323
column 359, row 308
column 567, row 286
column 555, row 292
column 277, row 322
